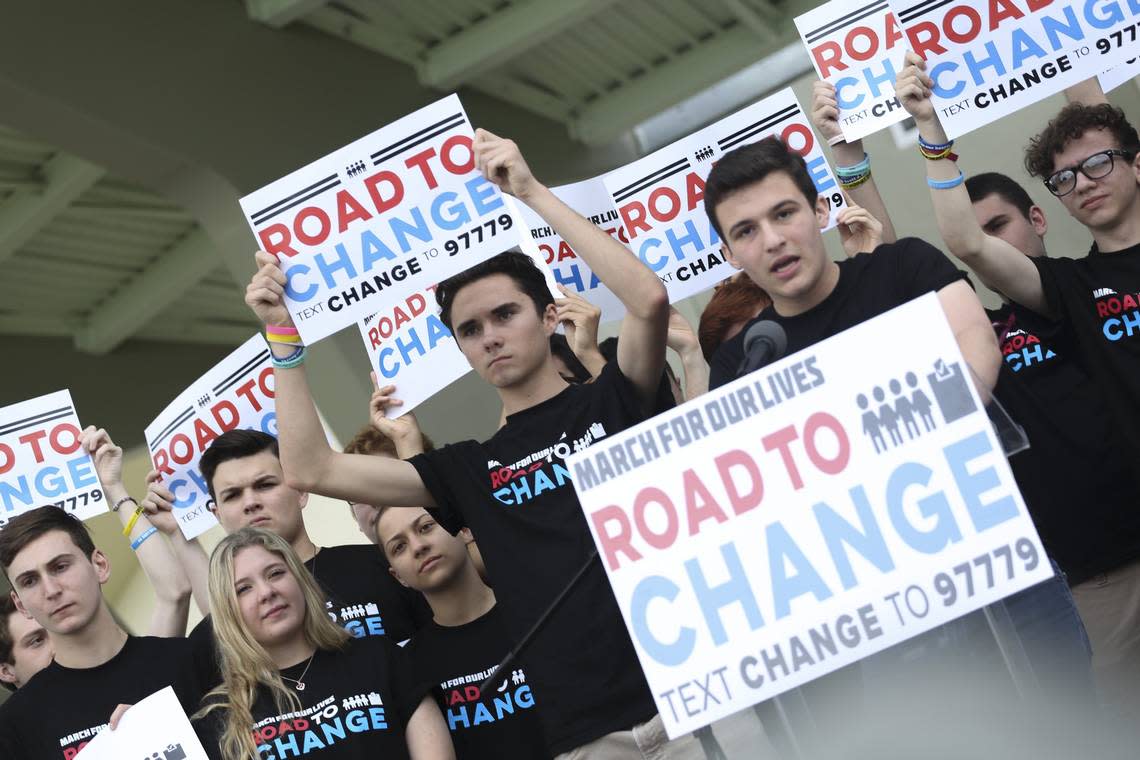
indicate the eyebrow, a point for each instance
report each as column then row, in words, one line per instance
column 34, row 572
column 494, row 310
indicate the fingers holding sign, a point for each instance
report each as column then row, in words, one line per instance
column 502, row 163
column 825, row 110
column 265, row 294
column 108, row 457
column 914, row 88
column 159, row 504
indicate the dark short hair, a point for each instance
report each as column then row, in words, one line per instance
column 7, row 643
column 25, row 528
column 738, row 300
column 982, row 186
column 1073, row 121
column 234, row 444
column 560, row 347
column 369, row 440
column 750, row 164
column 514, row 264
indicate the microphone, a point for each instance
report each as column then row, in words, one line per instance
column 764, row 343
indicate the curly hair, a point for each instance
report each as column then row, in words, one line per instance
column 1073, row 121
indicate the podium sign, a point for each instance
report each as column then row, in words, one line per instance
column 803, row 517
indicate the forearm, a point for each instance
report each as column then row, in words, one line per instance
column 192, row 558
column 638, row 288
column 168, row 620
column 980, row 350
column 696, row 371
column 154, row 554
column 592, row 360
column 305, row 451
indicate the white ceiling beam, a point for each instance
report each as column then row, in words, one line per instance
column 502, row 37
column 132, row 306
column 402, row 48
column 760, row 23
column 280, row 13
column 22, row 216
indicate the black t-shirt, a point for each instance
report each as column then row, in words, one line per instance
column 61, row 709
column 1098, row 299
column 1075, row 478
column 455, row 660
column 514, row 491
column 355, row 706
column 363, row 596
column 869, row 284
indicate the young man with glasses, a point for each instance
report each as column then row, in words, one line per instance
column 1087, row 157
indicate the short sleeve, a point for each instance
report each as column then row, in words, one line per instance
column 1048, row 268
column 443, row 472
column 920, row 268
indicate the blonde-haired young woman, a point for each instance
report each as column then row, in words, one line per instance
column 296, row 683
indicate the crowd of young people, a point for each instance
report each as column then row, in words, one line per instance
column 301, row 652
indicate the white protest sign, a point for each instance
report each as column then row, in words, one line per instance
column 410, row 347
column 660, row 198
column 155, row 728
column 806, row 516
column 590, row 199
column 41, row 461
column 990, row 59
column 363, row 228
column 236, row 393
column 858, row 47
column 1119, row 74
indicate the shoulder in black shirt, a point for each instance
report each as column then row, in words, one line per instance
column 455, row 660
column 514, row 491
column 869, row 285
column 61, row 709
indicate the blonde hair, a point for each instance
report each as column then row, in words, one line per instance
column 244, row 663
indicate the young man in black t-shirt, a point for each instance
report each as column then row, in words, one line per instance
column 242, row 470
column 1081, row 380
column 514, row 490
column 465, row 641
column 57, row 574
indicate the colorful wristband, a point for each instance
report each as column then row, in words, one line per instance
column 293, row 340
column 133, row 521
column 851, row 184
column 143, row 537
column 281, row 330
column 946, row 184
column 836, row 140
column 288, row 362
column 855, row 171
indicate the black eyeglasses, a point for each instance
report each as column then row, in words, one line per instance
column 1094, row 167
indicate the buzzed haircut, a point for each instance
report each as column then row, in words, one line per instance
column 514, row 264
column 750, row 164
column 25, row 528
column 234, row 444
column 1069, row 124
column 982, row 186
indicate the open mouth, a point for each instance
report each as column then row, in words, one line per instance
column 785, row 266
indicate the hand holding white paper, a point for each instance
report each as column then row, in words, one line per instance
column 155, row 728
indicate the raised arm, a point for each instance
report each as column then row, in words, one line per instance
column 999, row 265
column 641, row 344
column 170, row 584
column 825, row 117
column 159, row 508
column 309, row 463
column 683, row 341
